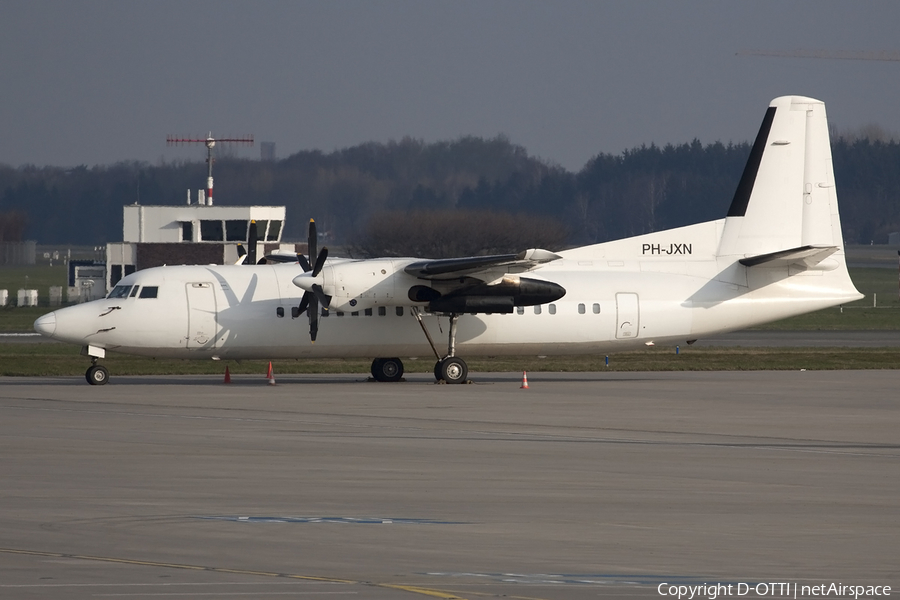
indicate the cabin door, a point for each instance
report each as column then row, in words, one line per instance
column 202, row 327
column 627, row 316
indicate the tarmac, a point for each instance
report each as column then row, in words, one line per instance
column 585, row 485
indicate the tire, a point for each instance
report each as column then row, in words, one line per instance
column 97, row 375
column 387, row 369
column 376, row 368
column 454, row 370
column 437, row 370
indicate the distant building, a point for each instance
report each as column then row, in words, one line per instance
column 267, row 150
column 87, row 280
column 18, row 253
column 192, row 234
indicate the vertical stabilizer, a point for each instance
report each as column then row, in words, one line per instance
column 786, row 197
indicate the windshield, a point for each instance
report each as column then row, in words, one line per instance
column 120, row 291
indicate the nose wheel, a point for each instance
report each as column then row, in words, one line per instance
column 97, row 375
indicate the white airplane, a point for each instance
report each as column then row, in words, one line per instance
column 778, row 253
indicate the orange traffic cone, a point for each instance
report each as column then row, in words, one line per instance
column 270, row 376
column 227, row 375
column 524, row 381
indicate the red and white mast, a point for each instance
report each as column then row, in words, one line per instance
column 210, row 142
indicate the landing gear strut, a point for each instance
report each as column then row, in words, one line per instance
column 450, row 368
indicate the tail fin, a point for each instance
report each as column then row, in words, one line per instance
column 786, row 198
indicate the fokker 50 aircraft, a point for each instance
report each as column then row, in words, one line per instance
column 777, row 253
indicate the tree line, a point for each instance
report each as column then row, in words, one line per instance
column 421, row 191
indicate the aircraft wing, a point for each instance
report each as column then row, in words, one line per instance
column 481, row 267
column 804, row 256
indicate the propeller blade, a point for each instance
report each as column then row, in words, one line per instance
column 321, row 296
column 320, row 261
column 252, row 239
column 318, row 294
column 303, row 263
column 312, row 240
column 304, row 304
column 313, row 312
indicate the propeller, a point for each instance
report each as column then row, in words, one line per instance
column 314, row 295
column 252, row 239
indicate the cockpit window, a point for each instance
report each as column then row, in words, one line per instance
column 149, row 291
column 134, row 291
column 120, row 291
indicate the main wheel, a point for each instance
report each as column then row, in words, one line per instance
column 437, row 370
column 387, row 369
column 376, row 368
column 454, row 370
column 97, row 375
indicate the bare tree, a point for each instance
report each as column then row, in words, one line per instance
column 444, row 234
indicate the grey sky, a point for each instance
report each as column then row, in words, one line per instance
column 99, row 82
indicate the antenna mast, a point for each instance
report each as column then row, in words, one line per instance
column 210, row 142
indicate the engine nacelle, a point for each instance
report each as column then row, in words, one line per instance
column 360, row 285
column 496, row 297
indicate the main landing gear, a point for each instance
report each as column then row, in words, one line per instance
column 451, row 368
column 387, row 369
column 96, row 374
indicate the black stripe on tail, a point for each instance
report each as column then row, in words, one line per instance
column 745, row 187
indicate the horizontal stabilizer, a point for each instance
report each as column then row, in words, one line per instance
column 804, row 256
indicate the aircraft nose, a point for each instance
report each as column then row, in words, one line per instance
column 46, row 325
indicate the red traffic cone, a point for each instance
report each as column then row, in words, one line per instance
column 524, row 381
column 270, row 375
column 227, row 375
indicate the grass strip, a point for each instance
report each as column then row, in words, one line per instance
column 51, row 359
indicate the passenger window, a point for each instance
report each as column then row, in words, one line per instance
column 552, row 309
column 596, row 308
column 134, row 291
column 537, row 309
column 399, row 311
column 520, row 310
column 581, row 309
column 120, row 291
column 382, row 311
column 279, row 311
column 149, row 291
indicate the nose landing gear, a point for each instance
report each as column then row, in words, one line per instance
column 96, row 374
